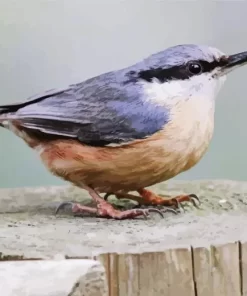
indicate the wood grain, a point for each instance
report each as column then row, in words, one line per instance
column 128, row 275
column 225, row 270
column 154, row 274
column 217, row 270
column 181, row 272
column 202, row 271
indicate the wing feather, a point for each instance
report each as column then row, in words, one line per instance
column 99, row 111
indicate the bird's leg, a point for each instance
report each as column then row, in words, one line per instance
column 123, row 195
column 139, row 199
column 147, row 197
column 150, row 198
column 105, row 210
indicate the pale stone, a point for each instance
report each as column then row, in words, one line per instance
column 52, row 278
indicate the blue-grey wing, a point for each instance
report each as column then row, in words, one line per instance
column 100, row 111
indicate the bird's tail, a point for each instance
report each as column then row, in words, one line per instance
column 7, row 112
column 3, row 112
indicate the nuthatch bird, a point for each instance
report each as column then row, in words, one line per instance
column 128, row 129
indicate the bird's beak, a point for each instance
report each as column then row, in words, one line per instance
column 232, row 62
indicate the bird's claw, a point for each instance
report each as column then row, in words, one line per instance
column 62, row 206
column 165, row 209
column 179, row 206
column 194, row 200
column 107, row 195
column 190, row 198
column 146, row 212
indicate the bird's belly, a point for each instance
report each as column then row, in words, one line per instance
column 137, row 165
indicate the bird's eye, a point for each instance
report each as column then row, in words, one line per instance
column 195, row 68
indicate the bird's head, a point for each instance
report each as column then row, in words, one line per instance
column 187, row 71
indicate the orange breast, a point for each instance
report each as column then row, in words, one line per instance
column 130, row 167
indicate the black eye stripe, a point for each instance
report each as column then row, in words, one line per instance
column 208, row 67
column 173, row 73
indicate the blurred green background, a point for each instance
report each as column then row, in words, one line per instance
column 48, row 44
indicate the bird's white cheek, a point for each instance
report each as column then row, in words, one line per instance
column 202, row 86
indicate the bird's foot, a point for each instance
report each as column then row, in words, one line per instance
column 106, row 210
column 149, row 198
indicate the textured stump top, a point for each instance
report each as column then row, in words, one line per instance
column 28, row 226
